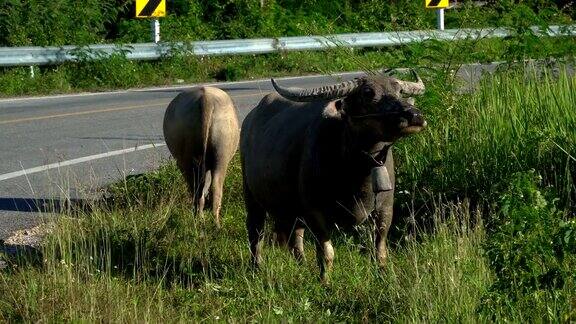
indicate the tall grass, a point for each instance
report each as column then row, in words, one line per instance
column 519, row 120
column 144, row 256
column 165, row 265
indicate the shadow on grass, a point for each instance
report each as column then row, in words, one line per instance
column 127, row 243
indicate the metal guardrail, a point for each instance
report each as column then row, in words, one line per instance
column 29, row 56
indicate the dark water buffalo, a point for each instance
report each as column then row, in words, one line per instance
column 318, row 157
column 201, row 131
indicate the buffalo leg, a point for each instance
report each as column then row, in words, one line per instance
column 191, row 174
column 283, row 227
column 255, row 226
column 383, row 220
column 324, row 248
column 203, row 194
column 281, row 231
column 324, row 257
column 297, row 243
column 291, row 234
column 217, row 188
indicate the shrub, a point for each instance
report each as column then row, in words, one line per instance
column 530, row 247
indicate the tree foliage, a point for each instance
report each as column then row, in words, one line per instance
column 60, row 22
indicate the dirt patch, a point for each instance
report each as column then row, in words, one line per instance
column 23, row 242
column 31, row 237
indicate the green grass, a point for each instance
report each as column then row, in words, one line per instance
column 61, row 22
column 516, row 121
column 163, row 264
column 143, row 256
column 117, row 72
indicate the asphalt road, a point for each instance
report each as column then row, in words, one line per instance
column 36, row 132
column 99, row 138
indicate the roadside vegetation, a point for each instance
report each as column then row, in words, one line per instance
column 485, row 230
column 485, row 216
column 62, row 22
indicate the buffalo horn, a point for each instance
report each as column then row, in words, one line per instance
column 413, row 88
column 326, row 92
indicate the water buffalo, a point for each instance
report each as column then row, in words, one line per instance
column 318, row 157
column 201, row 131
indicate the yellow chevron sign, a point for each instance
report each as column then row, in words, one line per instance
column 150, row 8
column 435, row 4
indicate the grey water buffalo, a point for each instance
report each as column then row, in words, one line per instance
column 201, row 131
column 318, row 157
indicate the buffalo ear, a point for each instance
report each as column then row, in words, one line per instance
column 411, row 101
column 338, row 105
column 334, row 109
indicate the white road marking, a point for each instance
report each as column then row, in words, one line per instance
column 15, row 174
column 20, row 173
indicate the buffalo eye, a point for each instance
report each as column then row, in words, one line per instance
column 368, row 92
column 393, row 103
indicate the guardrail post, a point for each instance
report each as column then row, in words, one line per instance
column 32, row 71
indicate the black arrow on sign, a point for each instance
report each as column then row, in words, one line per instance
column 432, row 3
column 151, row 6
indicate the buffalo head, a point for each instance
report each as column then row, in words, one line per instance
column 379, row 106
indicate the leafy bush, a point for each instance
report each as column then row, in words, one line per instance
column 95, row 69
column 60, row 22
column 56, row 22
column 530, row 247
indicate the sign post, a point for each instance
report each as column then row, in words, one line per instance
column 439, row 5
column 152, row 9
column 155, row 24
column 440, row 18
